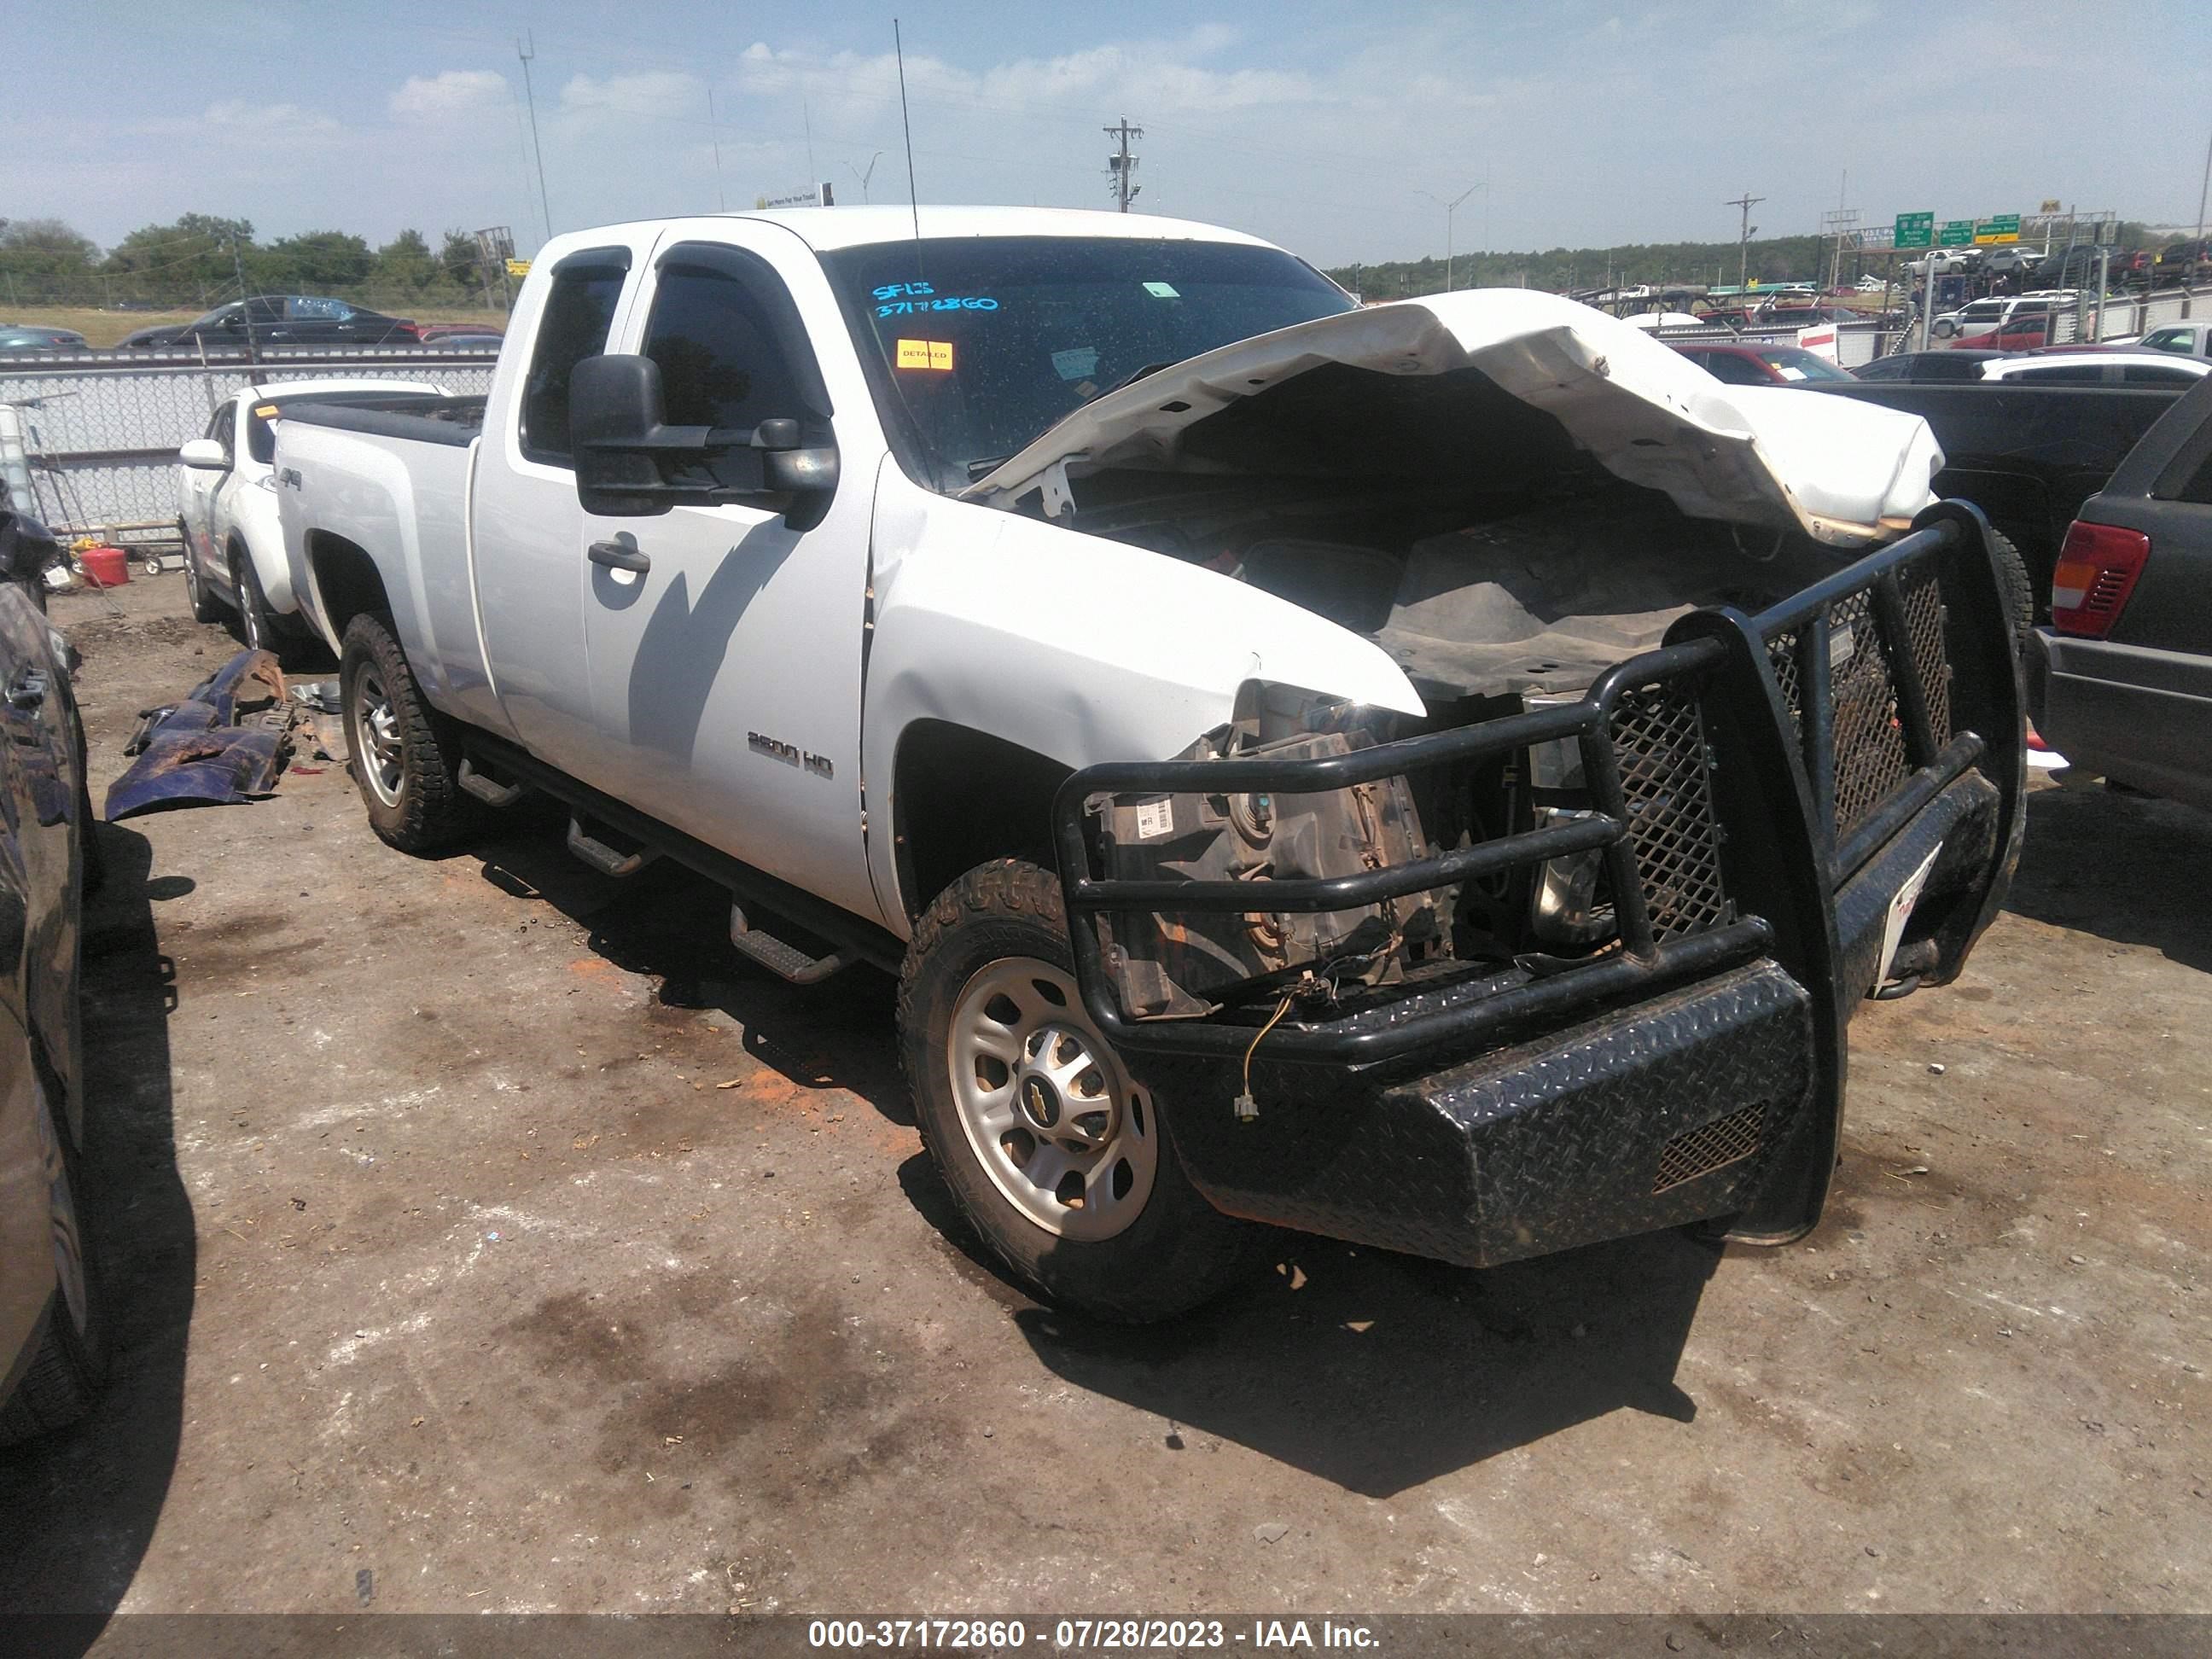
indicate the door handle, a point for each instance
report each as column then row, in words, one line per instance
column 616, row 556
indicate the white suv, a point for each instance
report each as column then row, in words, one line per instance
column 1973, row 323
column 227, row 508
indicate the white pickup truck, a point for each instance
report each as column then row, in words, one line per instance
column 1439, row 776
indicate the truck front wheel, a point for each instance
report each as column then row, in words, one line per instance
column 404, row 755
column 1063, row 1164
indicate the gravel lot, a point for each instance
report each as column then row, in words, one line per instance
column 487, row 1237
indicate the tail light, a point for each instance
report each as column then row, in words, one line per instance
column 2097, row 571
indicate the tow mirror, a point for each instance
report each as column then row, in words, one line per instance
column 630, row 463
column 204, row 453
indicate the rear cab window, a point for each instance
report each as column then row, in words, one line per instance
column 574, row 325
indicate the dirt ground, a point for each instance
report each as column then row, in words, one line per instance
column 485, row 1236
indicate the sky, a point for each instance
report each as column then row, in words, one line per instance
column 1317, row 125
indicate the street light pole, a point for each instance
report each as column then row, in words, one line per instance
column 1449, row 208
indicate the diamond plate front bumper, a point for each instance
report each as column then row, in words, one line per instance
column 1695, row 1074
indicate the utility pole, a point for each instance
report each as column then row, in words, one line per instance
column 2203, row 194
column 1449, row 208
column 1120, row 164
column 1746, row 202
column 244, row 302
column 526, row 53
column 721, row 195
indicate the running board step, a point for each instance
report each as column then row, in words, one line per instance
column 488, row 790
column 607, row 860
column 779, row 956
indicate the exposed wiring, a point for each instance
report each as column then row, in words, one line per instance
column 1246, row 1108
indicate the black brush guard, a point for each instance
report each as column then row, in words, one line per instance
column 1762, row 786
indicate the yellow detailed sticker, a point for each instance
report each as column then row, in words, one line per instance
column 267, row 411
column 925, row 353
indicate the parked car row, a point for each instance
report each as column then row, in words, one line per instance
column 2171, row 266
column 271, row 320
column 279, row 319
column 35, row 337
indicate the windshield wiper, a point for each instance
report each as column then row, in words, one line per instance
column 1137, row 375
column 978, row 469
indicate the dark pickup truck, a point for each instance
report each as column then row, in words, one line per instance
column 2028, row 456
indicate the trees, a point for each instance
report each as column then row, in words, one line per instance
column 190, row 262
column 313, row 262
column 44, row 261
column 404, row 266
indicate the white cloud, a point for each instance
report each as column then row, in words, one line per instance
column 288, row 120
column 656, row 92
column 449, row 94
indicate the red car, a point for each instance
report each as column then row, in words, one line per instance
column 1761, row 365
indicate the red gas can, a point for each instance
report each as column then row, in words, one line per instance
column 106, row 567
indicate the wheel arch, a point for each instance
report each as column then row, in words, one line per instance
column 960, row 797
column 348, row 583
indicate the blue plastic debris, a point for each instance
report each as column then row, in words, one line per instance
column 226, row 742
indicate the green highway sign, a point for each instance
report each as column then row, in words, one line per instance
column 1955, row 232
column 1912, row 230
column 2005, row 227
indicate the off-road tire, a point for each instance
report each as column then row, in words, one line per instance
column 431, row 808
column 2017, row 587
column 206, row 608
column 258, row 627
column 256, row 632
column 65, row 1372
column 1178, row 1253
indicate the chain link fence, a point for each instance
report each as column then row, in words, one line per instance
column 99, row 431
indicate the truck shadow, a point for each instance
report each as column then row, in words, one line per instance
column 81, row 1504
column 1378, row 1372
column 1373, row 1370
column 669, row 925
column 2120, row 867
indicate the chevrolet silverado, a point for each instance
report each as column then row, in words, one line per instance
column 1440, row 774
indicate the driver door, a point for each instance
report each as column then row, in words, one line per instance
column 724, row 645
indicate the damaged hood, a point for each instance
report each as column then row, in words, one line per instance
column 1502, row 381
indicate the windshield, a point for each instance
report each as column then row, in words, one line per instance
column 975, row 347
column 1792, row 364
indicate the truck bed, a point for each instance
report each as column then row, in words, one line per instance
column 453, row 421
column 2028, row 456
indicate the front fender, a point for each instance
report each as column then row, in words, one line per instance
column 256, row 523
column 1080, row 649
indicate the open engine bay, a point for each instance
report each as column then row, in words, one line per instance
column 1493, row 607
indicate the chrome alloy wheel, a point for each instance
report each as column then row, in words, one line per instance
column 1048, row 1110
column 61, row 1209
column 375, row 735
